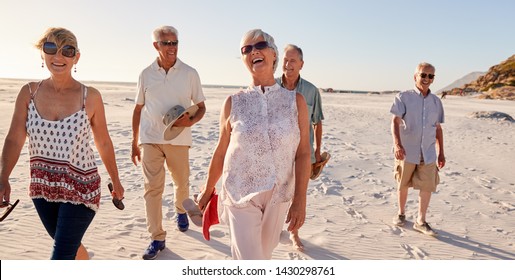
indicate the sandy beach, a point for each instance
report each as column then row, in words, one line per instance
column 350, row 207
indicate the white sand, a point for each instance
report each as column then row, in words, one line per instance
column 350, row 207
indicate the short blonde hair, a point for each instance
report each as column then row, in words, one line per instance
column 60, row 36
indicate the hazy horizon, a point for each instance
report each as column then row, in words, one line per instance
column 363, row 46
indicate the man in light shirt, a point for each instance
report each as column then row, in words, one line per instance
column 418, row 145
column 293, row 61
column 167, row 82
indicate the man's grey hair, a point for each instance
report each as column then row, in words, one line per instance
column 295, row 47
column 256, row 33
column 165, row 29
column 424, row 65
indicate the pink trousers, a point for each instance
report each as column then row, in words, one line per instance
column 255, row 229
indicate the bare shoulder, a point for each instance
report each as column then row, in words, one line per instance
column 228, row 100
column 25, row 92
column 92, row 91
column 226, row 107
column 300, row 98
column 93, row 95
column 94, row 101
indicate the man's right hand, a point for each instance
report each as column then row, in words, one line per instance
column 399, row 152
column 135, row 154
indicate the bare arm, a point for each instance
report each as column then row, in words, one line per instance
column 96, row 113
column 136, row 119
column 217, row 160
column 439, row 144
column 396, row 134
column 318, row 140
column 14, row 142
column 297, row 212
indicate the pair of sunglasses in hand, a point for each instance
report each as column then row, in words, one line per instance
column 117, row 202
column 9, row 207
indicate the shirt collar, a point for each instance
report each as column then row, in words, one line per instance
column 268, row 89
column 419, row 92
column 297, row 83
column 177, row 65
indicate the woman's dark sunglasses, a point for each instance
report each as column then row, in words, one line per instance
column 51, row 48
column 424, row 75
column 258, row 46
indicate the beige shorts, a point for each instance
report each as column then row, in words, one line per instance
column 419, row 176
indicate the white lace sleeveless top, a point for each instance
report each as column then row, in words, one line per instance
column 264, row 140
column 62, row 162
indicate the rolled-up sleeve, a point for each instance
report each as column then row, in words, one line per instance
column 398, row 107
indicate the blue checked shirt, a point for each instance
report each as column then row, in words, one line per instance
column 420, row 117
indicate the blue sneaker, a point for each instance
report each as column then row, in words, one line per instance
column 152, row 250
column 182, row 222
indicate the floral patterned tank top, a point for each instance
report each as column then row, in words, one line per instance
column 62, row 162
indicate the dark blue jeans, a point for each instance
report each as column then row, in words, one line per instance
column 66, row 223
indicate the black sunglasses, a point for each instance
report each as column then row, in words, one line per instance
column 169, row 43
column 117, row 202
column 424, row 75
column 258, row 46
column 51, row 48
column 8, row 208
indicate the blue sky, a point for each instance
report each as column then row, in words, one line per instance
column 358, row 45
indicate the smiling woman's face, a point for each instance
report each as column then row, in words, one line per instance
column 258, row 61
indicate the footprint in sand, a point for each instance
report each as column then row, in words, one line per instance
column 414, row 252
column 485, row 182
column 348, row 200
column 356, row 215
column 296, row 256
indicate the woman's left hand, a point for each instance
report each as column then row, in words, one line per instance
column 204, row 197
column 296, row 215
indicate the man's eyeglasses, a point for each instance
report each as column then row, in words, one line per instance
column 258, row 46
column 51, row 48
column 8, row 208
column 424, row 75
column 168, row 43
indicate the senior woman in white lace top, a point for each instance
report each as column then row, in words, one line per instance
column 262, row 154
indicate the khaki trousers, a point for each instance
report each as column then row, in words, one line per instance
column 153, row 158
column 255, row 230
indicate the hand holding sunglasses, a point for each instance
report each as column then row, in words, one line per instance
column 117, row 202
column 66, row 51
column 8, row 208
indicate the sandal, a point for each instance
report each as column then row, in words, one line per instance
column 193, row 211
column 317, row 167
